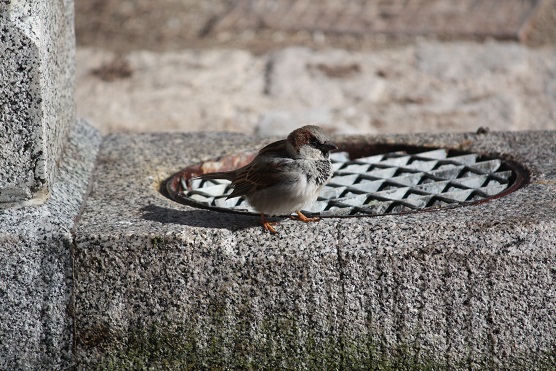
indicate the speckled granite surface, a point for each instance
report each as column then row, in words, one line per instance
column 36, row 328
column 161, row 284
column 37, row 77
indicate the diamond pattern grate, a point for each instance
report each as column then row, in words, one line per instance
column 391, row 183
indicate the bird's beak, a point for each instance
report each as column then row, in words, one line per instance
column 327, row 146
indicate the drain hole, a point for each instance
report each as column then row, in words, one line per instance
column 404, row 180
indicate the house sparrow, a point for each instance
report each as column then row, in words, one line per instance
column 286, row 176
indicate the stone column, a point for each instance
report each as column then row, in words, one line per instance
column 36, row 95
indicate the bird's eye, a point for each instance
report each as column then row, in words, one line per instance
column 314, row 143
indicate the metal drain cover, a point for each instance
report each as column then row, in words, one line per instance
column 391, row 183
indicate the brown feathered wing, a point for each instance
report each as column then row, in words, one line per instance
column 259, row 174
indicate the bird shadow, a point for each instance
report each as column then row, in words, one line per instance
column 199, row 218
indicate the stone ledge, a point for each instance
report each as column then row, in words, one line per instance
column 159, row 284
column 36, row 275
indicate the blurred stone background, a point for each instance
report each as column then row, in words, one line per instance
column 359, row 66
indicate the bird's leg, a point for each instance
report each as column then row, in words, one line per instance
column 268, row 225
column 303, row 218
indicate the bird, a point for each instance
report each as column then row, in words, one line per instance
column 285, row 176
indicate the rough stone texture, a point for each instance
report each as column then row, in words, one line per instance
column 425, row 87
column 159, row 284
column 37, row 58
column 35, row 256
column 171, row 94
column 508, row 19
column 263, row 25
column 543, row 29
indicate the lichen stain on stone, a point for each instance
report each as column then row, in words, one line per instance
column 278, row 342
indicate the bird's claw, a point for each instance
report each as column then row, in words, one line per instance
column 268, row 226
column 303, row 218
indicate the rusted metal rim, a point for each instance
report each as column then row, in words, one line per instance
column 371, row 180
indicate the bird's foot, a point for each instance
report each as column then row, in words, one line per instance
column 268, row 226
column 303, row 218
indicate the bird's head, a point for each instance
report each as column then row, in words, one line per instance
column 310, row 142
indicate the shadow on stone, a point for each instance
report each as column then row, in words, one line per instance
column 199, row 218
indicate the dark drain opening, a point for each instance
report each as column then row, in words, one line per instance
column 370, row 181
